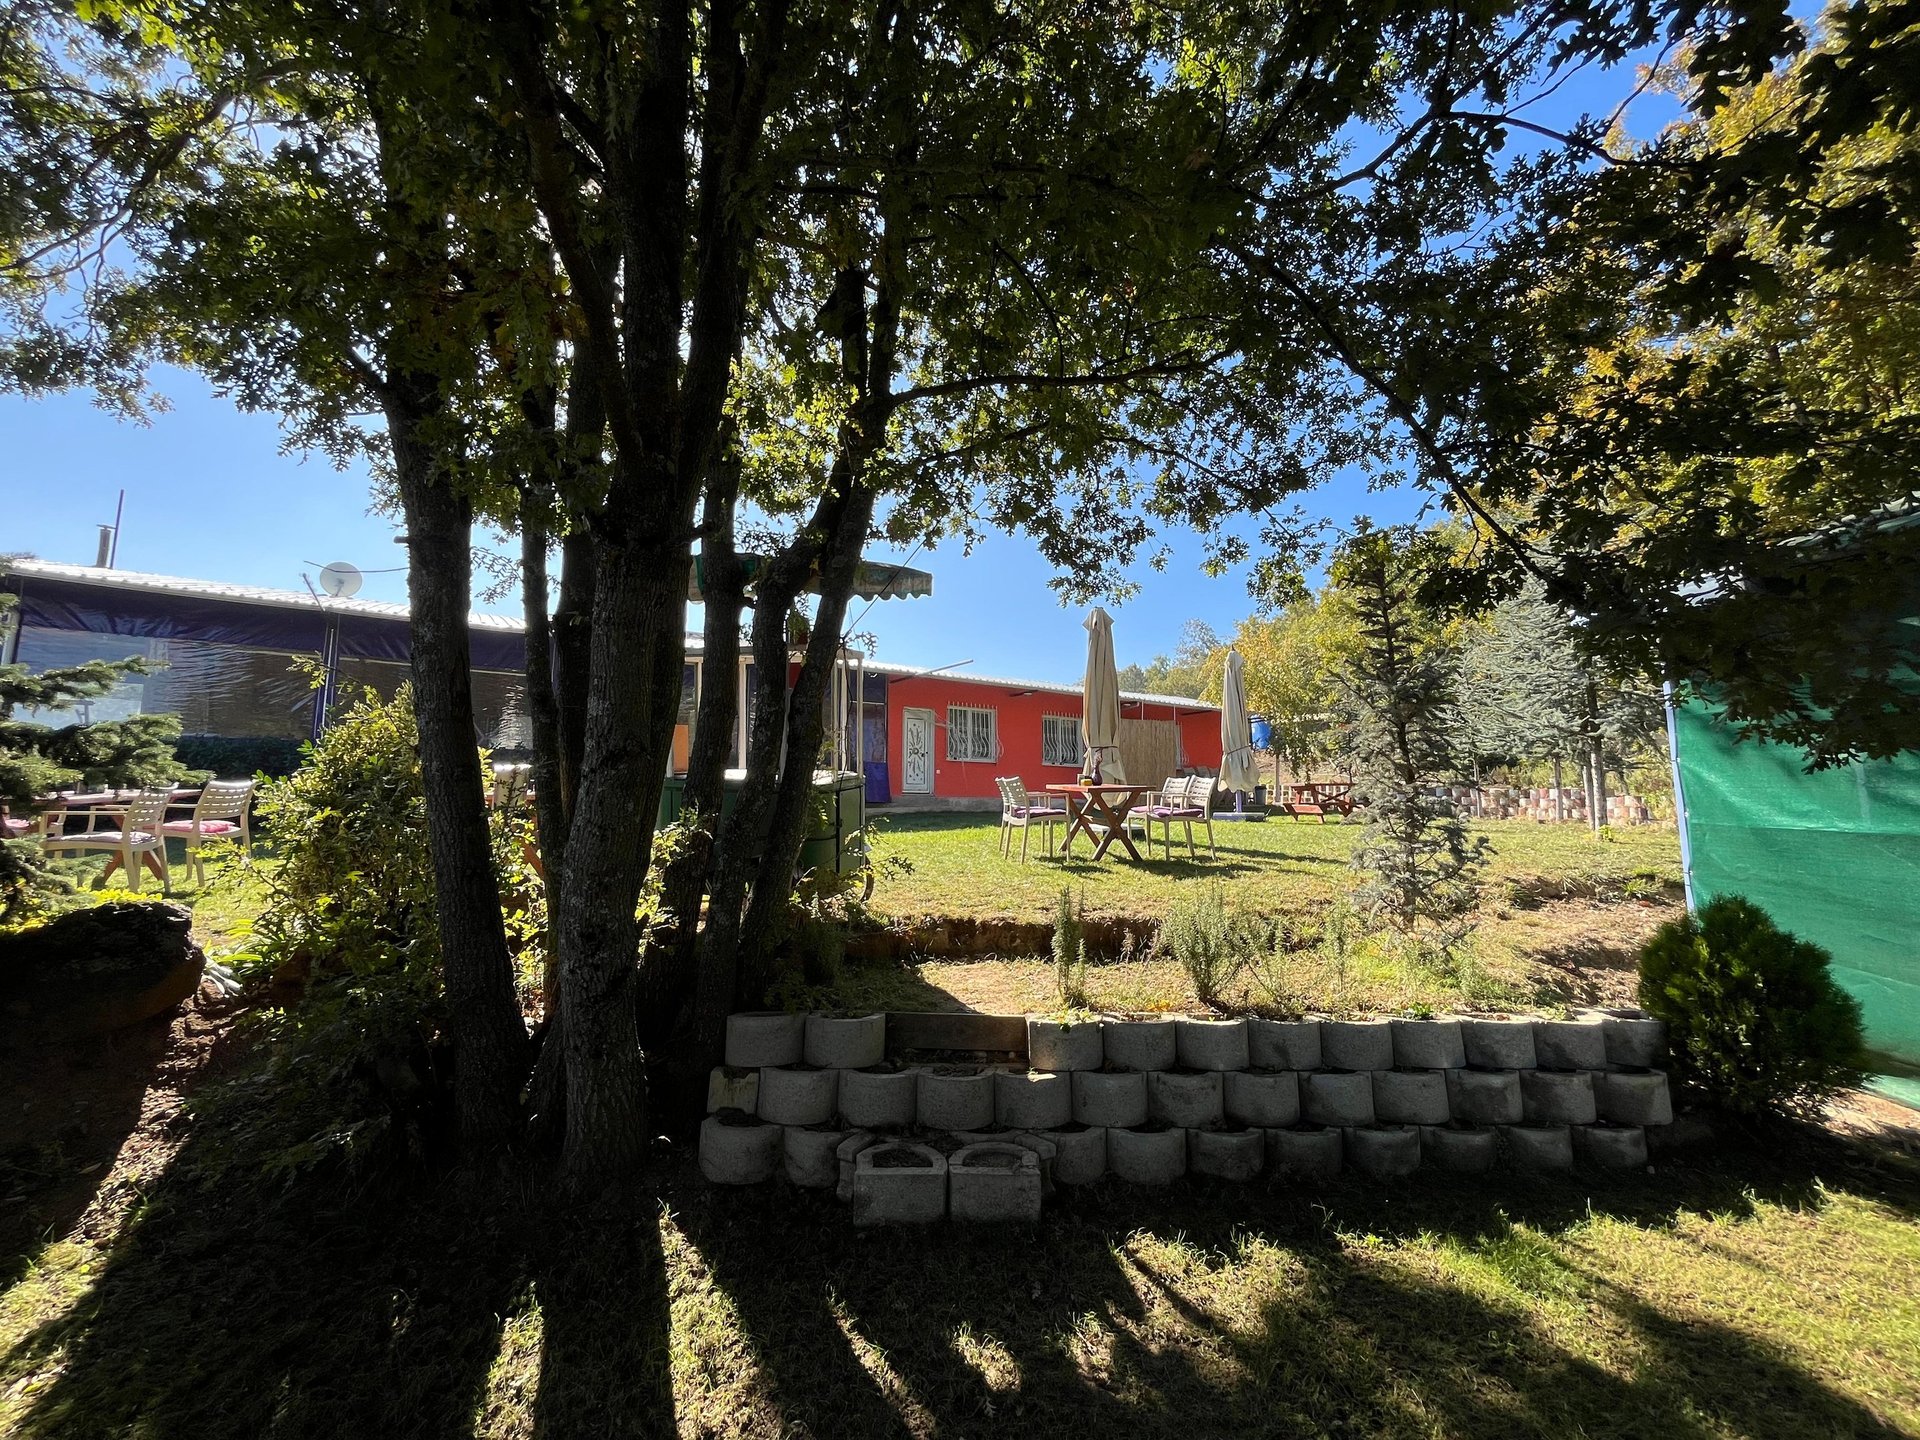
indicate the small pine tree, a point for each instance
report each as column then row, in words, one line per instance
column 36, row 759
column 1421, row 871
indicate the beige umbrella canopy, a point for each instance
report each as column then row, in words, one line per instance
column 1237, row 768
column 1100, row 699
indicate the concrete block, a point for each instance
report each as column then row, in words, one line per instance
column 993, row 1183
column 764, row 1037
column 1104, row 1097
column 1486, row 1097
column 812, row 1154
column 1384, row 1152
column 1461, row 1151
column 1033, row 1099
column 1226, row 1154
column 1307, row 1155
column 1410, row 1097
column 1633, row 1097
column 955, row 1097
column 1266, row 1098
column 1427, row 1044
column 1064, row 1044
column 879, row 1099
column 1634, row 1040
column 1283, row 1044
column 897, row 1182
column 846, row 1042
column 1337, row 1098
column 731, row 1088
column 797, row 1094
column 1147, row 1155
column 844, row 1155
column 1079, row 1153
column 1557, row 1097
column 1497, row 1042
column 1539, row 1147
column 1191, row 1099
column 738, row 1149
column 1356, row 1044
column 1211, row 1044
column 1148, row 1044
column 1611, row 1147
column 1570, row 1044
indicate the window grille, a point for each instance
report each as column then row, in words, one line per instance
column 971, row 734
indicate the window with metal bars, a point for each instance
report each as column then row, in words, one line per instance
column 1060, row 740
column 972, row 733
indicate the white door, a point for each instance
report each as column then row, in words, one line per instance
column 916, row 741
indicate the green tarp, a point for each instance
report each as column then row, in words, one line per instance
column 1832, row 856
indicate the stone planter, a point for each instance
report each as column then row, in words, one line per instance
column 765, row 1037
column 1108, row 1098
column 1339, row 1099
column 1611, row 1147
column 1211, row 1044
column 1079, row 1153
column 1269, row 1099
column 1140, row 1044
column 796, row 1095
column 1306, row 1156
column 844, row 1156
column 1410, row 1097
column 1226, row 1154
column 1486, row 1097
column 1633, row 1097
column 732, row 1089
column 1463, row 1152
column 1033, row 1099
column 846, row 1043
column 878, row 1099
column 1064, row 1044
column 955, row 1097
column 1427, row 1044
column 1150, row 1156
column 1384, row 1152
column 737, row 1149
column 1191, row 1099
column 812, row 1155
column 1557, row 1097
column 1497, row 1042
column 1283, row 1044
column 899, row 1183
column 1356, row 1044
column 1570, row 1044
column 1539, row 1147
column 993, row 1183
column 1634, row 1041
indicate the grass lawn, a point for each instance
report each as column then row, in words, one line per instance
column 1767, row 1288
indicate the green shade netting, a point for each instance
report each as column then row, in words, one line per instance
column 1833, row 856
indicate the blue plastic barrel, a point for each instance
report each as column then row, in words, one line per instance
column 1262, row 733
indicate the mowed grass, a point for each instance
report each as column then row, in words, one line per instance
column 954, row 866
column 1771, row 1288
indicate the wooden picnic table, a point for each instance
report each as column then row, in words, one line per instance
column 1101, row 808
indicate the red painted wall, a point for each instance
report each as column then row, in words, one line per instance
column 1018, row 724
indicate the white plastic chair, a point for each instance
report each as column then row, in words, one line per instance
column 1186, row 802
column 1018, row 812
column 221, row 813
column 138, row 839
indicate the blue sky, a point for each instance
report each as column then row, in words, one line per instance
column 212, row 494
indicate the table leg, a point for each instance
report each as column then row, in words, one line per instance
column 1116, row 830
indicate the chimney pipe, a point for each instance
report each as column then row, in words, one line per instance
column 105, row 556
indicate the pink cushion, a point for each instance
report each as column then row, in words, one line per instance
column 15, row 827
column 207, row 827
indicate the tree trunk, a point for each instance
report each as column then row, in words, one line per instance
column 1559, row 791
column 484, row 1022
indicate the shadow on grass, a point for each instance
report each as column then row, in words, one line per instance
column 462, row 1306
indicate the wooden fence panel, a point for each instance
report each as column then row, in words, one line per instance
column 1150, row 749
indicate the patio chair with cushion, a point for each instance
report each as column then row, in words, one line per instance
column 138, row 841
column 221, row 813
column 1159, row 810
column 1187, row 802
column 1019, row 812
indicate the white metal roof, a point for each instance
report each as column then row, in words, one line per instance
column 1051, row 687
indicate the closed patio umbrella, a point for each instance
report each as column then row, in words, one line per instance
column 1100, row 698
column 1237, row 768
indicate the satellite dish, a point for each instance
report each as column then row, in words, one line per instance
column 340, row 580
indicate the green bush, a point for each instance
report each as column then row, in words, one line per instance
column 1213, row 941
column 1070, row 952
column 232, row 757
column 1754, row 1018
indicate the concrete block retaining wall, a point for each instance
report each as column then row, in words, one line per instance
column 904, row 1119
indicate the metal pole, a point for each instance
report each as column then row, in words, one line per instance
column 1679, row 796
column 119, row 508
